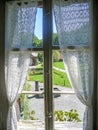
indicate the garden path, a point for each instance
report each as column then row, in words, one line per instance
column 64, row 102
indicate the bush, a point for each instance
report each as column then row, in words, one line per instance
column 31, row 115
column 71, row 115
column 59, row 115
column 24, row 103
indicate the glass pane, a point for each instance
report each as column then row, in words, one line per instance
column 60, row 76
column 32, row 112
column 38, row 42
column 31, row 106
column 68, row 110
column 55, row 35
column 36, row 67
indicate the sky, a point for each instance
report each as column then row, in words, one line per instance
column 38, row 25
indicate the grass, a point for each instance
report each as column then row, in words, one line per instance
column 59, row 78
column 27, row 87
column 59, row 65
column 37, row 78
column 36, row 74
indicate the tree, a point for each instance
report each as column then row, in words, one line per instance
column 56, row 54
column 36, row 41
column 55, row 39
column 40, row 56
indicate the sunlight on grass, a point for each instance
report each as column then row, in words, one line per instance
column 59, row 78
column 36, row 78
column 59, row 65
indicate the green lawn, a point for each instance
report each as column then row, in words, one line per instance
column 59, row 65
column 59, row 78
column 35, row 77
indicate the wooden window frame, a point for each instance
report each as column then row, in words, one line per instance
column 47, row 48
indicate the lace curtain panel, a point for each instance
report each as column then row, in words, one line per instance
column 73, row 23
column 20, row 24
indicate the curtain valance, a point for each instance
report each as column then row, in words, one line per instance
column 73, row 22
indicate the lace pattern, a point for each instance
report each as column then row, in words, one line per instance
column 20, row 24
column 73, row 22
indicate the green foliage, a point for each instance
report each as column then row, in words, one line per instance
column 71, row 115
column 27, row 87
column 37, row 42
column 31, row 115
column 55, row 39
column 24, row 100
column 40, row 66
column 26, row 108
column 59, row 115
column 22, row 96
column 40, row 57
column 56, row 56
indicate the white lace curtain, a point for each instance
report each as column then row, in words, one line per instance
column 20, row 24
column 73, row 22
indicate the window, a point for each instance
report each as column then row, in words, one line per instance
column 53, row 93
column 47, row 48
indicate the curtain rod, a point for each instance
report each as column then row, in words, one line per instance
column 40, row 2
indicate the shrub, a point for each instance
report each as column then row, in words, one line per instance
column 31, row 115
column 59, row 115
column 24, row 103
column 71, row 115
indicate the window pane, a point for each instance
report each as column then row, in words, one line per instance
column 31, row 106
column 36, row 67
column 68, row 110
column 55, row 35
column 59, row 70
column 38, row 42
